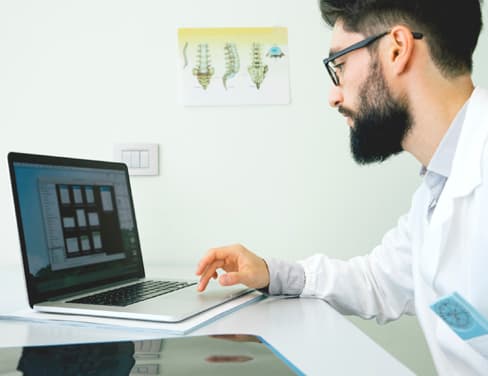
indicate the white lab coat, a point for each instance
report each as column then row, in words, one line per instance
column 418, row 262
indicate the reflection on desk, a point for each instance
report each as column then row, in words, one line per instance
column 308, row 332
column 204, row 355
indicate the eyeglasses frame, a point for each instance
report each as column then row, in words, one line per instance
column 356, row 46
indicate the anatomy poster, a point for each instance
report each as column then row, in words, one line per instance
column 234, row 66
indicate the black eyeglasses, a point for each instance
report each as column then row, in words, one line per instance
column 329, row 61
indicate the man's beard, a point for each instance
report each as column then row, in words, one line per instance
column 381, row 123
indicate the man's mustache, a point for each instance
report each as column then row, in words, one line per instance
column 346, row 112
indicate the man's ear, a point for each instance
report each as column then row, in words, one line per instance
column 401, row 48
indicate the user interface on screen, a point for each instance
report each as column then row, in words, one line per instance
column 78, row 225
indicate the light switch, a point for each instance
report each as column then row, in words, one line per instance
column 125, row 157
column 141, row 159
column 135, row 159
column 144, row 159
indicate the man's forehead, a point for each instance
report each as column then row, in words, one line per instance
column 342, row 38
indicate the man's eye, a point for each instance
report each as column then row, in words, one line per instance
column 339, row 67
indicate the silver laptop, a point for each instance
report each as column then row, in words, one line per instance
column 80, row 246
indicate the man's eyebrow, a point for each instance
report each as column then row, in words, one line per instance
column 333, row 51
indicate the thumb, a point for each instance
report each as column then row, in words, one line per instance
column 231, row 278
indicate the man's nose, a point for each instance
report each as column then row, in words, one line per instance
column 335, row 96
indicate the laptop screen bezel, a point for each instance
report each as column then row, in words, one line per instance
column 35, row 296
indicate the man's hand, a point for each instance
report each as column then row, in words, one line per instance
column 241, row 265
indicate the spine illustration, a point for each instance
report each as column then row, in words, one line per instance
column 257, row 70
column 203, row 71
column 232, row 63
column 185, row 57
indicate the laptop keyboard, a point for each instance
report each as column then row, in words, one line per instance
column 131, row 294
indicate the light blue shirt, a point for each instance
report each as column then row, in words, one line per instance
column 288, row 278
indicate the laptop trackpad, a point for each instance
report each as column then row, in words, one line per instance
column 188, row 301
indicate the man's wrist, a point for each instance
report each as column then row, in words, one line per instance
column 268, row 278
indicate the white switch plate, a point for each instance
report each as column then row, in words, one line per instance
column 141, row 159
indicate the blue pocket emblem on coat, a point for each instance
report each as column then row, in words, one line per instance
column 461, row 316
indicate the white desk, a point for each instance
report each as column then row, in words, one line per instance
column 308, row 332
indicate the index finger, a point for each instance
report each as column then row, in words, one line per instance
column 211, row 256
column 205, row 261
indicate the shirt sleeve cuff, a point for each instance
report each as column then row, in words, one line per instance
column 285, row 278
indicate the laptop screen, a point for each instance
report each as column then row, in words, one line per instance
column 77, row 224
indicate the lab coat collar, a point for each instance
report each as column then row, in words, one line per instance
column 466, row 169
column 466, row 166
column 465, row 177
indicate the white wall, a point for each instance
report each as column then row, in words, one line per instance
column 78, row 76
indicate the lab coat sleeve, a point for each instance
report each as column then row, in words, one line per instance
column 378, row 285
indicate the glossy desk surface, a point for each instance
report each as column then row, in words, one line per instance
column 311, row 334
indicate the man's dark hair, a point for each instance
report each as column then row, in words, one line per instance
column 451, row 27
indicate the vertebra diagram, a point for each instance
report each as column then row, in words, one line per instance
column 203, row 71
column 232, row 63
column 257, row 70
